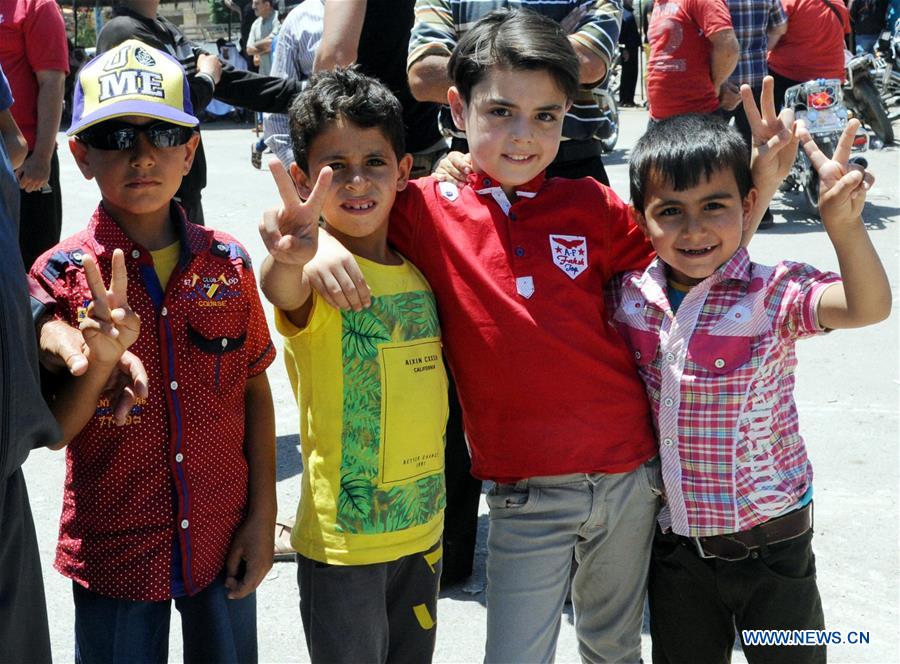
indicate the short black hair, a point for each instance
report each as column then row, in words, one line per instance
column 514, row 39
column 348, row 94
column 683, row 149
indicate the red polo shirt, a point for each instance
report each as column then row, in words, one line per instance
column 546, row 385
column 177, row 468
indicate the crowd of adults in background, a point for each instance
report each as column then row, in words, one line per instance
column 700, row 52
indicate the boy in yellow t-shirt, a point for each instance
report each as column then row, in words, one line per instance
column 371, row 384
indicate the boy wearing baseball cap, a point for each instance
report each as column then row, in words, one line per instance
column 179, row 503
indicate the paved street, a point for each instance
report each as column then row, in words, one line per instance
column 847, row 390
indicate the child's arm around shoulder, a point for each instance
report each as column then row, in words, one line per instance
column 864, row 296
column 252, row 542
column 291, row 235
column 109, row 329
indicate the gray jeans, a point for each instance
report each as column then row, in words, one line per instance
column 607, row 522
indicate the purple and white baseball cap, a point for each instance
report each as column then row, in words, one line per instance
column 132, row 79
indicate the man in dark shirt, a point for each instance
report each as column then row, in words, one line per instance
column 208, row 77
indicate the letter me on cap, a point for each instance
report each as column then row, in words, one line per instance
column 131, row 79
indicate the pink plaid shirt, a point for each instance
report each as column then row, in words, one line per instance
column 720, row 377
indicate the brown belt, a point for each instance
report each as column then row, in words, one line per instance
column 737, row 546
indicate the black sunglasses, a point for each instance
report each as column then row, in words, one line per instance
column 123, row 136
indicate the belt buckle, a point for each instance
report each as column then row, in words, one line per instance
column 729, row 557
column 700, row 550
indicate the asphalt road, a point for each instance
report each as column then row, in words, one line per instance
column 847, row 391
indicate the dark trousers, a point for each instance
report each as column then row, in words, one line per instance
column 119, row 631
column 628, row 82
column 782, row 83
column 741, row 123
column 24, row 634
column 463, row 497
column 379, row 613
column 40, row 217
column 696, row 603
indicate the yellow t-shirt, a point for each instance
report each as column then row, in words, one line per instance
column 372, row 392
column 164, row 262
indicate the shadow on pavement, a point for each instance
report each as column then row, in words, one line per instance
column 288, row 463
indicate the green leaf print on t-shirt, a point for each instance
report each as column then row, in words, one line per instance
column 363, row 507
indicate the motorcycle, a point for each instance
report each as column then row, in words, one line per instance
column 820, row 104
column 605, row 96
column 885, row 72
column 863, row 99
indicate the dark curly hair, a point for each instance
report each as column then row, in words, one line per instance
column 348, row 94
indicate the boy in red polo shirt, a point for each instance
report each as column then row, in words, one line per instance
column 179, row 503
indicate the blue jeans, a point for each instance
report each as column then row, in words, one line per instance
column 606, row 521
column 119, row 631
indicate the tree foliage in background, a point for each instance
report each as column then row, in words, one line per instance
column 87, row 34
column 218, row 12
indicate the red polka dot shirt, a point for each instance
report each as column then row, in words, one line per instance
column 169, row 488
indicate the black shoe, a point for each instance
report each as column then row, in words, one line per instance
column 255, row 157
column 768, row 221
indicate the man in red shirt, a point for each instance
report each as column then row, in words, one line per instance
column 35, row 57
column 693, row 50
column 812, row 47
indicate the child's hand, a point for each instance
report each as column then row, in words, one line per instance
column 290, row 232
column 842, row 185
column 62, row 347
column 455, row 167
column 774, row 141
column 126, row 385
column 110, row 326
column 252, row 545
column 335, row 275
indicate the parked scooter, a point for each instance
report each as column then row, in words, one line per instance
column 886, row 71
column 819, row 103
column 863, row 99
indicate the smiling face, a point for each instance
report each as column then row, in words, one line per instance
column 697, row 230
column 137, row 184
column 513, row 122
column 367, row 177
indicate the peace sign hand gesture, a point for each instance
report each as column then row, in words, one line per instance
column 842, row 184
column 291, row 232
column 110, row 326
column 774, row 141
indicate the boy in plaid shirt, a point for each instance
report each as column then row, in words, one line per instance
column 713, row 335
